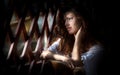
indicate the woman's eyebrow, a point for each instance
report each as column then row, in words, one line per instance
column 69, row 18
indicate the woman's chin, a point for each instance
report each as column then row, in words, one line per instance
column 71, row 32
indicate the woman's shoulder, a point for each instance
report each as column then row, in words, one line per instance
column 94, row 52
column 96, row 47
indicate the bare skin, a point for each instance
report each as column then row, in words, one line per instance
column 74, row 29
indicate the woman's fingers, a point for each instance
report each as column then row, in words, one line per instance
column 43, row 54
column 46, row 54
column 78, row 33
column 68, row 61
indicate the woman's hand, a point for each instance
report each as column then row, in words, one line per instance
column 77, row 35
column 65, row 59
column 49, row 55
column 46, row 54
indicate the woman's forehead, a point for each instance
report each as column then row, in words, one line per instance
column 69, row 14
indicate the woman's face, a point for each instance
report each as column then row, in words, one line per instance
column 71, row 23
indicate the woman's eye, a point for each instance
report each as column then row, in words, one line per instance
column 70, row 18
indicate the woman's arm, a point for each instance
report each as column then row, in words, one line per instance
column 76, row 57
column 52, row 53
column 47, row 54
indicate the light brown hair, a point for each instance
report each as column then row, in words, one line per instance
column 67, row 40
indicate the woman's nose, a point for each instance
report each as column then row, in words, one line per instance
column 66, row 23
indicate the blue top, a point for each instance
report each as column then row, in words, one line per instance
column 90, row 58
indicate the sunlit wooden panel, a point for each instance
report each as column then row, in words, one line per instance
column 38, row 45
column 24, row 49
column 14, row 22
column 45, row 40
column 50, row 20
column 27, row 23
column 41, row 21
column 20, row 43
column 33, row 41
column 31, row 29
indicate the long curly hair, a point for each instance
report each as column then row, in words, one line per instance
column 67, row 40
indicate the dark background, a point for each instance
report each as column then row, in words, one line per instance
column 100, row 14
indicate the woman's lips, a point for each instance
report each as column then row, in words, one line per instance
column 68, row 28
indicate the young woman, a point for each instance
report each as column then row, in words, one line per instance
column 75, row 46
